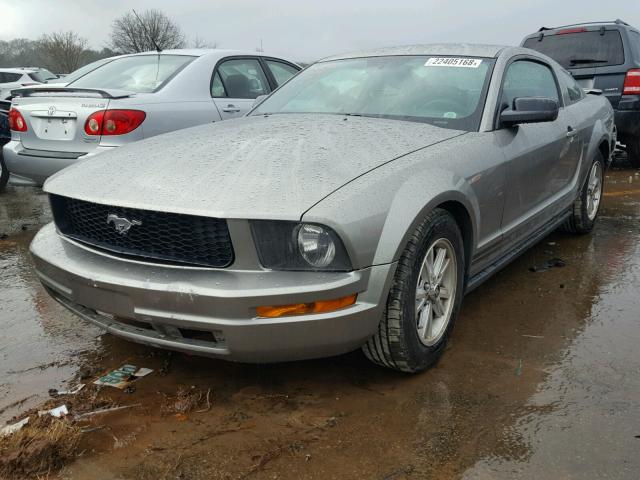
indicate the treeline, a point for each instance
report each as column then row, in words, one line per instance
column 63, row 52
column 22, row 52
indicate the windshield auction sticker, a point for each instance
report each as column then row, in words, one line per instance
column 453, row 62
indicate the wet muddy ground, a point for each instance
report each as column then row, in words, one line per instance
column 541, row 379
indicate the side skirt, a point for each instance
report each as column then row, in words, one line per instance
column 480, row 277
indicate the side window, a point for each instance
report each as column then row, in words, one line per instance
column 573, row 90
column 525, row 78
column 281, row 71
column 2, row 80
column 242, row 78
column 217, row 88
column 8, row 77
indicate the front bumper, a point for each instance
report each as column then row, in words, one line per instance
column 33, row 167
column 211, row 311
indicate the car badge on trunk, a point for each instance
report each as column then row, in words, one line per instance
column 51, row 110
column 121, row 224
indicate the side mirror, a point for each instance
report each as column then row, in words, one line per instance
column 530, row 110
column 259, row 99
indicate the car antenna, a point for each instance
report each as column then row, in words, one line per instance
column 149, row 37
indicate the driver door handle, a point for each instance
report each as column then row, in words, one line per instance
column 231, row 109
column 571, row 132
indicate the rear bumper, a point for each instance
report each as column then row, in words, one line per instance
column 163, row 306
column 627, row 117
column 33, row 167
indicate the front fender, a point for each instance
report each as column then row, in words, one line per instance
column 376, row 213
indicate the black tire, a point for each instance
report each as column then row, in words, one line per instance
column 4, row 173
column 579, row 222
column 633, row 152
column 396, row 344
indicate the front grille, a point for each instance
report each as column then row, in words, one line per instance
column 153, row 236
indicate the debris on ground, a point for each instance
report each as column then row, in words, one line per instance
column 123, row 376
column 53, row 392
column 185, row 401
column 554, row 262
column 86, row 415
column 519, row 368
column 57, row 412
column 10, row 429
column 42, row 447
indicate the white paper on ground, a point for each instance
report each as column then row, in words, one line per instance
column 9, row 429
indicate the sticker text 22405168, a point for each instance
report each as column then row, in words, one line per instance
column 453, row 62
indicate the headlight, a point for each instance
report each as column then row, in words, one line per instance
column 299, row 246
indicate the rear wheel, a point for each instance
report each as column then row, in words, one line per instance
column 587, row 205
column 4, row 173
column 424, row 299
column 633, row 152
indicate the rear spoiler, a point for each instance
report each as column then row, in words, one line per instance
column 43, row 91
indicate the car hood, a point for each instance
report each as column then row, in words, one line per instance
column 274, row 166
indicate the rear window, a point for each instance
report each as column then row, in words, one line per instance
column 581, row 49
column 140, row 74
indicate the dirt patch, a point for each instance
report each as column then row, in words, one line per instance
column 186, row 401
column 43, row 446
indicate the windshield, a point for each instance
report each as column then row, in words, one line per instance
column 444, row 91
column 140, row 73
column 581, row 49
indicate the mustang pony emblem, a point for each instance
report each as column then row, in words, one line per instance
column 122, row 225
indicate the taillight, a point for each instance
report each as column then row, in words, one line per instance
column 632, row 82
column 16, row 121
column 113, row 122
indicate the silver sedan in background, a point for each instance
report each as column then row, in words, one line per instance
column 130, row 98
column 353, row 208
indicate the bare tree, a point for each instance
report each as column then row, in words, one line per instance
column 63, row 51
column 132, row 35
column 199, row 42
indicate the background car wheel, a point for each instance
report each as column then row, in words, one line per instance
column 424, row 299
column 4, row 173
column 587, row 205
column 633, row 152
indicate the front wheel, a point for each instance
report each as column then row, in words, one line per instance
column 586, row 207
column 4, row 173
column 424, row 299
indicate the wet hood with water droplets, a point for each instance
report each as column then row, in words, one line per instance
column 255, row 167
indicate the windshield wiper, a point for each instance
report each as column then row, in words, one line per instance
column 580, row 61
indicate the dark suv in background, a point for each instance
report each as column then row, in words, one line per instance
column 601, row 56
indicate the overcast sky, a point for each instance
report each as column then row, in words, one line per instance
column 306, row 30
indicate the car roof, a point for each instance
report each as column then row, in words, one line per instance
column 16, row 70
column 201, row 52
column 465, row 49
column 587, row 26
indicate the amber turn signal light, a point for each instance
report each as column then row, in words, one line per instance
column 321, row 306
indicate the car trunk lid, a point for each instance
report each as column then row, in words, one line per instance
column 56, row 117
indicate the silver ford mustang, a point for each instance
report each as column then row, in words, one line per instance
column 353, row 208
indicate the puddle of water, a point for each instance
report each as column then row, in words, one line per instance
column 40, row 341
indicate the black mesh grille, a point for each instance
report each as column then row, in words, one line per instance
column 154, row 236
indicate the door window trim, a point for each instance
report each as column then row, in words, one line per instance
column 530, row 58
column 237, row 57
column 272, row 78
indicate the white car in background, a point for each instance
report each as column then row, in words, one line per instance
column 11, row 78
